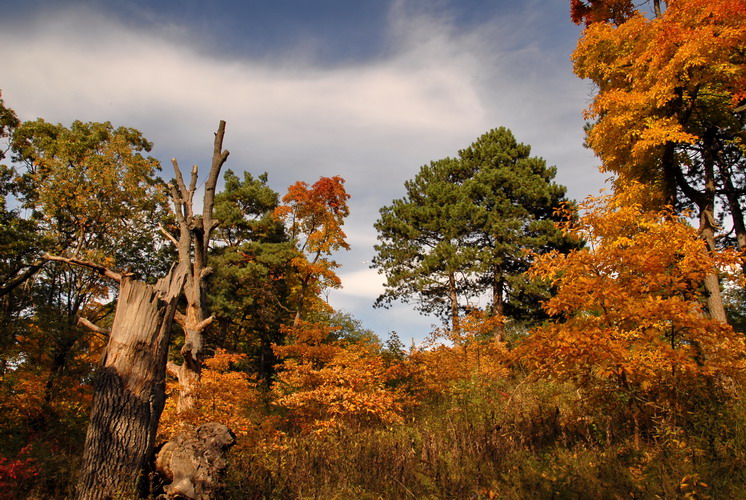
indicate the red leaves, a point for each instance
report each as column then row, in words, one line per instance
column 315, row 216
column 616, row 11
column 15, row 473
column 317, row 213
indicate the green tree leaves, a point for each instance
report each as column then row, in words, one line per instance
column 467, row 227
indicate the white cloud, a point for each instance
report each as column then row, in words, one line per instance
column 375, row 123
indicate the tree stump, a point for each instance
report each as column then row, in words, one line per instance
column 194, row 462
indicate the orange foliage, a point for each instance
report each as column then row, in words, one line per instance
column 475, row 353
column 317, row 213
column 628, row 308
column 315, row 216
column 653, row 75
column 325, row 383
column 224, row 395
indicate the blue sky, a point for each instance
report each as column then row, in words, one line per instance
column 369, row 90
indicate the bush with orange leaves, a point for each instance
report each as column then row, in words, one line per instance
column 473, row 352
column 629, row 329
column 325, row 383
column 225, row 394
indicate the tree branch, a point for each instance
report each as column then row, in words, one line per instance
column 172, row 369
column 102, row 270
column 21, row 277
column 219, row 156
column 180, row 319
column 88, row 324
column 169, row 236
column 204, row 324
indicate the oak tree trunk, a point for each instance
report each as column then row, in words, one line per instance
column 129, row 390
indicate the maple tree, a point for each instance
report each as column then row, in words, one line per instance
column 628, row 313
column 665, row 110
column 326, row 383
column 471, row 353
column 314, row 216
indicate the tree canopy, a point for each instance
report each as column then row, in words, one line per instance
column 467, row 227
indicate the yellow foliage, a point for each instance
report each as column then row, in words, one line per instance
column 475, row 353
column 629, row 307
column 325, row 384
column 652, row 75
column 223, row 395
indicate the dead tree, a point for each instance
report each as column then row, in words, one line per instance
column 129, row 387
column 192, row 244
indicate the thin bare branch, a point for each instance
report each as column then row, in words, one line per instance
column 204, row 324
column 205, row 273
column 180, row 319
column 180, row 180
column 102, row 270
column 193, row 183
column 93, row 327
column 169, row 236
column 21, row 277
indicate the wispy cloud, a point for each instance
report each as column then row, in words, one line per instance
column 434, row 90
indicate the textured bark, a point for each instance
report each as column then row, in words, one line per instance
column 498, row 303
column 453, row 297
column 193, row 242
column 129, row 390
column 194, row 462
column 708, row 227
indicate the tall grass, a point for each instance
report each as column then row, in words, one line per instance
column 512, row 439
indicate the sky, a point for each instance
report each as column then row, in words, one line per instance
column 368, row 89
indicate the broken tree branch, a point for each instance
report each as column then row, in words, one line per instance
column 93, row 327
column 102, row 270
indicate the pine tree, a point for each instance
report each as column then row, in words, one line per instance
column 467, row 227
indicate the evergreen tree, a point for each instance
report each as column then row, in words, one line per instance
column 248, row 291
column 467, row 227
column 513, row 200
column 422, row 246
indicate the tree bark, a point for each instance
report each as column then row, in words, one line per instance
column 194, row 462
column 193, row 242
column 707, row 228
column 498, row 303
column 453, row 295
column 130, row 390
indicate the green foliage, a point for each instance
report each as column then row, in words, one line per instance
column 465, row 227
column 248, row 290
column 92, row 191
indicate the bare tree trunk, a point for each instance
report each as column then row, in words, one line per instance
column 498, row 303
column 130, row 390
column 707, row 226
column 193, row 243
column 453, row 295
